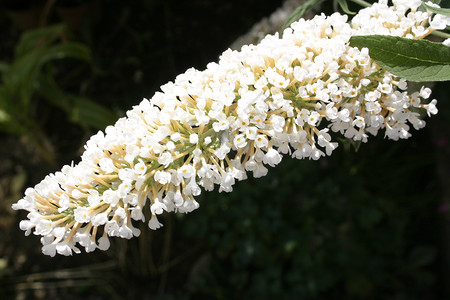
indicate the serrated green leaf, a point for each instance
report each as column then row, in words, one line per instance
column 436, row 10
column 299, row 12
column 413, row 60
column 344, row 6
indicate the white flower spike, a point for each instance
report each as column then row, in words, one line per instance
column 209, row 128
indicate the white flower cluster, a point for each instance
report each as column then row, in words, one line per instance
column 281, row 97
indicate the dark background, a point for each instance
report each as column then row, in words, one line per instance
column 369, row 222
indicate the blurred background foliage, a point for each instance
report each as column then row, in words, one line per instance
column 370, row 222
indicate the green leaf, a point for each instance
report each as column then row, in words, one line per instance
column 20, row 77
column 24, row 71
column 436, row 10
column 433, row 1
column 46, row 87
column 66, row 50
column 413, row 60
column 7, row 121
column 87, row 112
column 41, row 37
column 299, row 12
column 344, row 6
column 81, row 110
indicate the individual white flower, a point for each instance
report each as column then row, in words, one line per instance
column 120, row 211
column 431, row 108
column 111, row 197
column 193, row 138
column 222, row 123
column 124, row 189
column 154, row 223
column 272, row 157
column 26, row 226
column 158, row 207
column 359, row 122
column 261, row 141
column 425, row 92
column 127, row 174
column 64, row 202
column 344, row 115
column 227, row 182
column 372, row 96
column 136, row 213
column 302, row 117
column 140, row 168
column 107, row 165
column 165, row 158
column 103, row 242
column 49, row 249
column 207, row 140
column 192, row 188
column 278, row 123
column 77, row 194
column 324, row 140
column 99, row 219
column 313, row 118
column 43, row 227
column 251, row 132
column 258, row 169
column 81, row 214
column 239, row 141
column 175, row 136
column 189, row 205
column 439, row 22
column 186, row 171
column 222, row 151
column 316, row 153
column 331, row 111
column 63, row 249
column 163, row 177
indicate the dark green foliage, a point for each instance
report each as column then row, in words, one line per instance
column 29, row 81
column 348, row 227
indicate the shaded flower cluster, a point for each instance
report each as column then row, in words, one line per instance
column 282, row 97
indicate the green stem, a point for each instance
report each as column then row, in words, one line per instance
column 206, row 133
column 361, row 3
column 441, row 34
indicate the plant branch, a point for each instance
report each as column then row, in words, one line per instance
column 361, row 3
